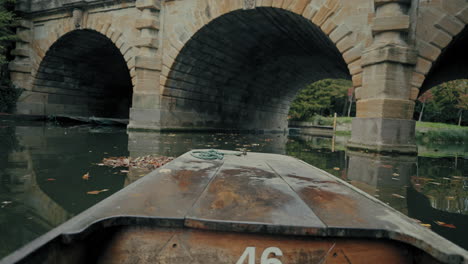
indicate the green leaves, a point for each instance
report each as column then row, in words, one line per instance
column 444, row 103
column 324, row 98
column 7, row 35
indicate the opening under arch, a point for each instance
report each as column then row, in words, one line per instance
column 84, row 74
column 243, row 69
column 451, row 65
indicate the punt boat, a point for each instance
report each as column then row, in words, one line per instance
column 242, row 209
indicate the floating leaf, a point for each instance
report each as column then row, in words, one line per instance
column 444, row 224
column 398, row 196
column 336, row 168
column 50, row 179
column 396, row 174
column 426, row 225
column 98, row 192
column 86, row 176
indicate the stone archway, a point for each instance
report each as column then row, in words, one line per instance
column 84, row 74
column 238, row 66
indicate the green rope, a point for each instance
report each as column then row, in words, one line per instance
column 211, row 154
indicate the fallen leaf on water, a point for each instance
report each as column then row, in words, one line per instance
column 444, row 224
column 50, row 179
column 398, row 196
column 426, row 225
column 336, row 168
column 98, row 192
column 396, row 174
column 86, row 176
column 387, row 166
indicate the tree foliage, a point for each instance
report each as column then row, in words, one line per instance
column 324, row 98
column 444, row 103
column 7, row 35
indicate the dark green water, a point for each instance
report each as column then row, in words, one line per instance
column 41, row 169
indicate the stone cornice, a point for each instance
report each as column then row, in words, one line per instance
column 68, row 7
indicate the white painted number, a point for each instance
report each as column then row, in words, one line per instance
column 249, row 255
column 267, row 252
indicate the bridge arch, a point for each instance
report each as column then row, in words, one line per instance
column 239, row 65
column 441, row 38
column 84, row 72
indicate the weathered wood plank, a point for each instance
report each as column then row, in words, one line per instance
column 246, row 190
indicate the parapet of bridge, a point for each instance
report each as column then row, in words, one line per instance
column 237, row 64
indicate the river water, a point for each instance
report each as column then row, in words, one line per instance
column 41, row 169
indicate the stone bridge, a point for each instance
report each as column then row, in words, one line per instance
column 237, row 64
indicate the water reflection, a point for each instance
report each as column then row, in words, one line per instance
column 42, row 166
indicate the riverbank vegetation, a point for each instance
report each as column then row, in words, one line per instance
column 323, row 98
column 8, row 93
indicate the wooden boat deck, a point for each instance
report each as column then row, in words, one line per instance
column 221, row 211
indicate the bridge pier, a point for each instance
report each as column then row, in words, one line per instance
column 384, row 115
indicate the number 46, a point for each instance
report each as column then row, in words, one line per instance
column 249, row 254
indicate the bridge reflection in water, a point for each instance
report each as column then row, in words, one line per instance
column 41, row 181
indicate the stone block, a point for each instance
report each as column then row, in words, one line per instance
column 24, row 24
column 398, row 54
column 144, row 119
column 151, row 23
column 328, row 27
column 148, row 4
column 325, row 12
column 299, row 6
column 353, row 54
column 385, row 108
column 24, row 36
column 393, row 23
column 358, row 93
column 20, row 52
column 428, row 51
column 346, row 43
column 309, row 11
column 15, row 66
column 450, row 24
column 149, row 42
column 441, row 39
column 357, row 80
column 383, row 135
column 149, row 63
column 355, row 67
column 414, row 93
column 339, row 33
column 417, row 79
column 463, row 15
column 423, row 66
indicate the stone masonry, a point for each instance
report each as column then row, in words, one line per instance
column 237, row 64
